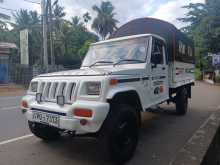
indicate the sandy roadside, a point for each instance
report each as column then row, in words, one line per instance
column 12, row 90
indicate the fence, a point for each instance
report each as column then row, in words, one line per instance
column 22, row 74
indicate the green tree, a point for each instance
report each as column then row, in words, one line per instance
column 105, row 23
column 76, row 22
column 70, row 38
column 204, row 28
column 3, row 20
column 73, row 43
column 58, row 14
column 5, row 34
column 87, row 18
column 30, row 20
column 25, row 19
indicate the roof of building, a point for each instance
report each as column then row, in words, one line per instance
column 7, row 45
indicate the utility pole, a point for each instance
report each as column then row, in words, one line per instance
column 51, row 33
column 44, row 18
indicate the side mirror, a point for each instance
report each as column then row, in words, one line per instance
column 155, row 59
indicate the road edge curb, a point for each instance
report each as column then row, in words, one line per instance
column 198, row 144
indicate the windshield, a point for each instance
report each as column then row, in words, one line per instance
column 117, row 52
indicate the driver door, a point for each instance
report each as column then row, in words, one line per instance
column 159, row 72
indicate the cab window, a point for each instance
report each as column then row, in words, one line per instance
column 157, row 52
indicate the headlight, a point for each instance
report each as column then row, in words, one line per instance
column 93, row 88
column 33, row 86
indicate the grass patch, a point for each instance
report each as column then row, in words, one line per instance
column 218, row 79
column 198, row 74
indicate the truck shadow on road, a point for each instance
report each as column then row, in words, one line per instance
column 86, row 151
column 162, row 135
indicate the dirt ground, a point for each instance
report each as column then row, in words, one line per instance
column 12, row 90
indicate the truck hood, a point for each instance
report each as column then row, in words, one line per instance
column 95, row 72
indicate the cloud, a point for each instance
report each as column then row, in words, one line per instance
column 173, row 10
column 125, row 10
column 17, row 5
column 168, row 10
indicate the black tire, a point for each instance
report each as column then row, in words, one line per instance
column 181, row 102
column 44, row 132
column 121, row 133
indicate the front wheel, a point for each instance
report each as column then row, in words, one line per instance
column 43, row 131
column 122, row 133
column 181, row 102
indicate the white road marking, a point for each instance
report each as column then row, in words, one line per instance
column 9, row 108
column 16, row 139
column 2, row 98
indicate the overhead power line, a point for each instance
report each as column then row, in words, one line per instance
column 7, row 9
column 32, row 2
column 4, row 8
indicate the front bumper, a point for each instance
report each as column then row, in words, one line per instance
column 70, row 122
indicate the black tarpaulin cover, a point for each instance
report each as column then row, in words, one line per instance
column 162, row 28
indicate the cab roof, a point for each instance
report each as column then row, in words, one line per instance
column 128, row 38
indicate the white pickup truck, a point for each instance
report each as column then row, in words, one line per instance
column 145, row 63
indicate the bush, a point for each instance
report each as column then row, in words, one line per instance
column 198, row 74
column 218, row 79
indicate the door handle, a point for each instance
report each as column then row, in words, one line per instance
column 163, row 68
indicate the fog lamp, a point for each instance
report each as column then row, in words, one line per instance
column 83, row 122
column 39, row 97
column 60, row 100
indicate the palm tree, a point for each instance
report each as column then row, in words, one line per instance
column 30, row 20
column 86, row 18
column 58, row 15
column 105, row 23
column 3, row 20
column 26, row 19
column 76, row 22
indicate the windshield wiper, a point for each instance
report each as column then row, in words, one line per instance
column 104, row 62
column 122, row 60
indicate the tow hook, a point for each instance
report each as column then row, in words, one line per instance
column 24, row 111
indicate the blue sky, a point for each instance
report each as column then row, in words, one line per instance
column 126, row 10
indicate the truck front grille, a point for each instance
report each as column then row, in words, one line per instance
column 50, row 91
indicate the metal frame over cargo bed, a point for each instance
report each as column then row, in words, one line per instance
column 179, row 47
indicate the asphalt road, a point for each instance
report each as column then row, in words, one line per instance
column 162, row 135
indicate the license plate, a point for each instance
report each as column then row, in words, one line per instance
column 46, row 118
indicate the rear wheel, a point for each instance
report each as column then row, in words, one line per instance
column 121, row 133
column 43, row 131
column 181, row 102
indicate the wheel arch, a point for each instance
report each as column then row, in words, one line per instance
column 187, row 86
column 130, row 97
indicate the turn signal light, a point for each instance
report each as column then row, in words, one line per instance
column 113, row 82
column 24, row 104
column 81, row 112
column 161, row 89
